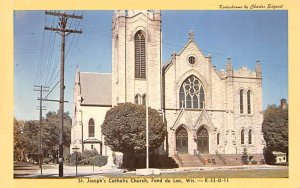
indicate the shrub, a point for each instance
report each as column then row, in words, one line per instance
column 254, row 162
column 88, row 156
column 99, row 160
column 47, row 160
column 72, row 159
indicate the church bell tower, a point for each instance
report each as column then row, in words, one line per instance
column 136, row 57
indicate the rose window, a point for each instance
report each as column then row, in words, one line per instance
column 191, row 94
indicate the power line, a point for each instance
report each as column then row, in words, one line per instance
column 63, row 18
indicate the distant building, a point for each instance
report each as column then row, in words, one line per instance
column 208, row 111
column 280, row 157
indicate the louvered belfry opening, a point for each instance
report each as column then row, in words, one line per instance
column 140, row 55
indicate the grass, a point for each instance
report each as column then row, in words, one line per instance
column 233, row 173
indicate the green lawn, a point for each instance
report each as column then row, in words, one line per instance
column 232, row 173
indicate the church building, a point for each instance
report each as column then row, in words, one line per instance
column 209, row 112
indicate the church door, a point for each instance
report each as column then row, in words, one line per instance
column 181, row 140
column 202, row 141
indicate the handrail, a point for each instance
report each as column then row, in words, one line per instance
column 178, row 158
column 221, row 157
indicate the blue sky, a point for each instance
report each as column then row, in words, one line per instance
column 245, row 36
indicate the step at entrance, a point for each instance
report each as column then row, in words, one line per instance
column 187, row 160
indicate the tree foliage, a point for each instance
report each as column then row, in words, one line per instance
column 50, row 131
column 124, row 128
column 275, row 128
column 26, row 135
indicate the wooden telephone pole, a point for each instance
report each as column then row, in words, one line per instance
column 63, row 18
column 40, row 88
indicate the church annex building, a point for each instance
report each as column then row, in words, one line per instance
column 209, row 112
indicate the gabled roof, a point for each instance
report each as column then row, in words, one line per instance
column 96, row 88
column 191, row 40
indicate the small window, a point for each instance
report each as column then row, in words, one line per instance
column 92, row 146
column 250, row 137
column 91, row 128
column 243, row 137
column 218, row 138
column 249, row 101
column 192, row 60
column 144, row 100
column 136, row 99
column 242, row 101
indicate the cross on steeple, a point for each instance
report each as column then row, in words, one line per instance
column 191, row 35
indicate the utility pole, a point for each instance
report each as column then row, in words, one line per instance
column 63, row 19
column 41, row 108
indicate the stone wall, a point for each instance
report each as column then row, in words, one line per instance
column 222, row 110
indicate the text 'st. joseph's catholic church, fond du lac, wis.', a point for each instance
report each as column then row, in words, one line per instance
column 207, row 111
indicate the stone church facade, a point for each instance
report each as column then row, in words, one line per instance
column 208, row 111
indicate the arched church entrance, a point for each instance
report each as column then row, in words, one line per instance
column 203, row 141
column 181, row 140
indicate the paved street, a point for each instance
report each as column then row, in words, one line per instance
column 25, row 170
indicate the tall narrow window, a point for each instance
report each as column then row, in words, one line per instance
column 242, row 101
column 91, row 128
column 140, row 55
column 144, row 100
column 191, row 93
column 249, row 101
column 250, row 137
column 218, row 138
column 243, row 137
column 136, row 99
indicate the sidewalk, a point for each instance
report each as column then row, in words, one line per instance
column 51, row 171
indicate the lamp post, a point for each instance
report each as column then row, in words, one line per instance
column 75, row 149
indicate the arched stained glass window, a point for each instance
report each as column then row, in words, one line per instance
column 191, row 93
column 140, row 55
column 249, row 101
column 242, row 101
column 250, row 137
column 243, row 137
column 91, row 128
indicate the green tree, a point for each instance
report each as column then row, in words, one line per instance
column 275, row 128
column 26, row 136
column 50, row 136
column 124, row 128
